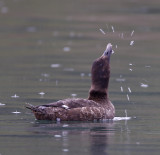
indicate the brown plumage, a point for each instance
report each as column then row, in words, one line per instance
column 96, row 107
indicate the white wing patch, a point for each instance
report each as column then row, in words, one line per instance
column 65, row 106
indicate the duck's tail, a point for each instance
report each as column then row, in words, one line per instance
column 31, row 107
column 35, row 109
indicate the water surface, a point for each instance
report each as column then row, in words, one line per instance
column 46, row 52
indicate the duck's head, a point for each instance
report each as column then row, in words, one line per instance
column 101, row 73
column 107, row 53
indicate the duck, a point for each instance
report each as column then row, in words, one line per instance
column 96, row 107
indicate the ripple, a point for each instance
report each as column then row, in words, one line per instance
column 41, row 93
column 55, row 65
column 69, row 69
column 4, row 10
column 57, row 136
column 31, row 29
column 16, row 112
column 15, row 96
column 66, row 49
column 1, row 104
column 120, row 79
column 73, row 95
column 82, row 74
column 144, row 85
column 121, row 118
column 65, row 150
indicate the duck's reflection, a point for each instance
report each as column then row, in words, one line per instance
column 100, row 137
column 98, row 144
column 90, row 138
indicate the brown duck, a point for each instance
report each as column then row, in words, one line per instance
column 96, row 107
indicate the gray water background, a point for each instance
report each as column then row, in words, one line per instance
column 49, row 46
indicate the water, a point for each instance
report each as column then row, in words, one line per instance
column 46, row 52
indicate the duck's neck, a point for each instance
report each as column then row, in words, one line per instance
column 100, row 80
column 98, row 96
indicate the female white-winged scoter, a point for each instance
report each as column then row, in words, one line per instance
column 96, row 107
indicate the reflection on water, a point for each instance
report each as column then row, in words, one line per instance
column 95, row 134
column 46, row 52
column 92, row 138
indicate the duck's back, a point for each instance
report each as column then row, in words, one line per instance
column 73, row 110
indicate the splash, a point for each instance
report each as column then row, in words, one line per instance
column 132, row 43
column 102, row 31
column 1, row 104
column 16, row 112
column 112, row 29
column 15, row 96
column 132, row 33
column 144, row 85
column 129, row 89
column 55, row 65
column 121, row 89
column 128, row 97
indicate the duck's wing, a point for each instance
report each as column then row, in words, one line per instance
column 72, row 103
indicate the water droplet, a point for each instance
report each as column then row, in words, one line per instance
column 129, row 89
column 132, row 42
column 112, row 28
column 102, row 31
column 121, row 89
column 128, row 97
column 132, row 33
column 144, row 85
